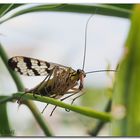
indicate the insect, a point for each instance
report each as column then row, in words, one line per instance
column 59, row 81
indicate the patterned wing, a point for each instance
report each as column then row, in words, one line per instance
column 32, row 67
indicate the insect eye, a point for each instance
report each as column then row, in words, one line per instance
column 84, row 75
column 78, row 71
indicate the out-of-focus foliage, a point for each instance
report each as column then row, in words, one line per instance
column 126, row 99
column 5, row 8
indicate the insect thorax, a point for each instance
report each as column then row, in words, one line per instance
column 62, row 81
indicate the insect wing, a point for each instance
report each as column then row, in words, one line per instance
column 32, row 67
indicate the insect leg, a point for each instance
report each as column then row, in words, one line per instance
column 77, row 97
column 68, row 110
column 36, row 88
column 53, row 110
column 74, row 92
column 54, row 72
column 80, row 88
column 44, row 108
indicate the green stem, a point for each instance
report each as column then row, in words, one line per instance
column 15, row 77
column 4, row 99
column 82, row 110
column 5, row 129
column 41, row 121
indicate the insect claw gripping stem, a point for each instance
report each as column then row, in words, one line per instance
column 68, row 110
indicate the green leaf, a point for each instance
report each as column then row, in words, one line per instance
column 102, row 9
column 5, row 8
column 126, row 97
column 124, row 6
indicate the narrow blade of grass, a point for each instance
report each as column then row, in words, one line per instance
column 102, row 9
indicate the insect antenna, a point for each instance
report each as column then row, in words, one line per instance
column 85, row 44
column 85, row 48
column 101, row 71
